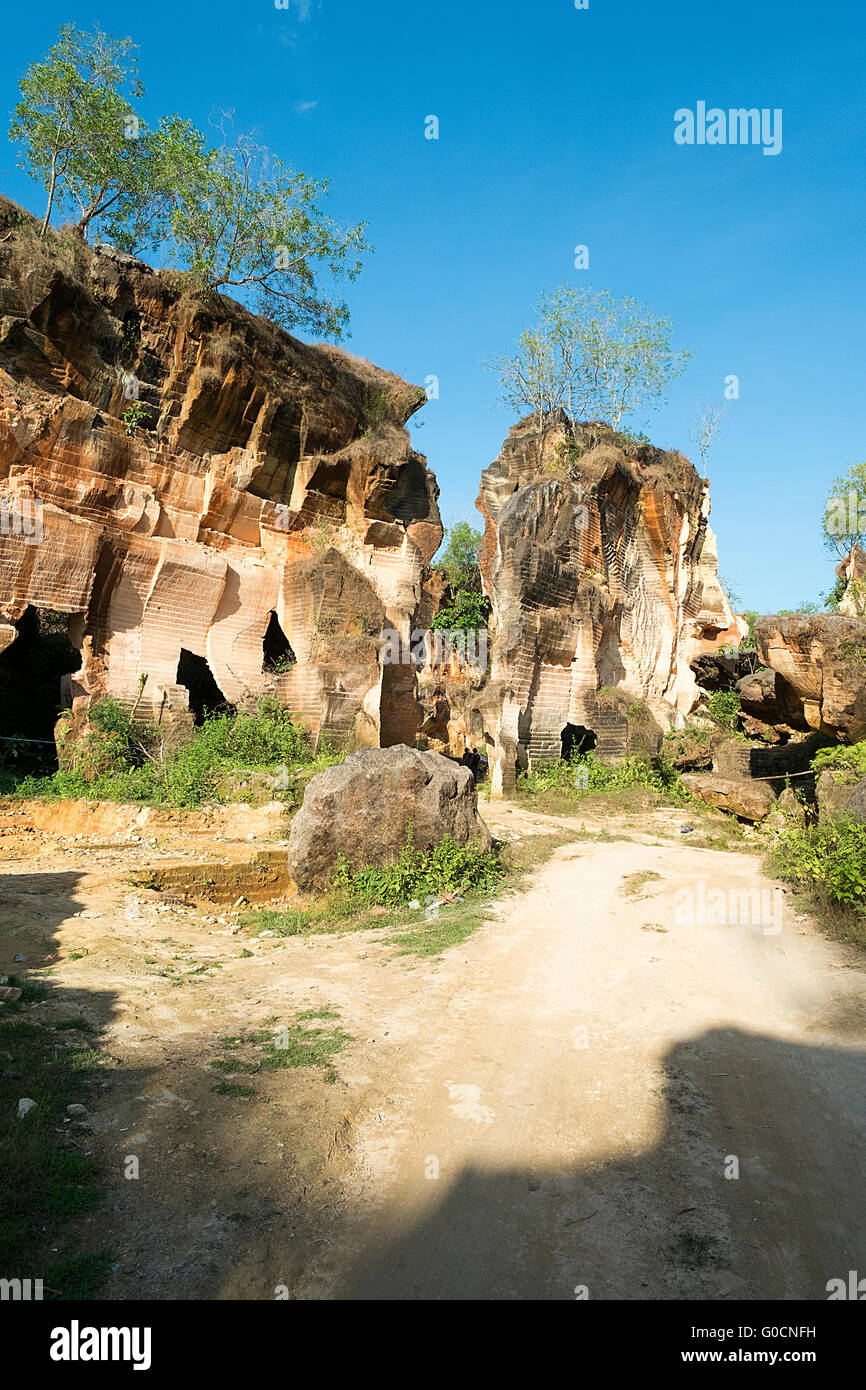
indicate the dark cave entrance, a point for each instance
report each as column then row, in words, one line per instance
column 31, row 670
column 577, row 740
column 205, row 696
column 276, row 648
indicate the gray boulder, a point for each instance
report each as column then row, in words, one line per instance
column 363, row 808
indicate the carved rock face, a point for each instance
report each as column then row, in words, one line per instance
column 201, row 476
column 822, row 658
column 602, row 572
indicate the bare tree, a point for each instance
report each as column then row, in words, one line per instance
column 708, row 423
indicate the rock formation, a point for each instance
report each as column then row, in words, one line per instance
column 365, row 807
column 602, row 571
column 822, row 658
column 217, row 506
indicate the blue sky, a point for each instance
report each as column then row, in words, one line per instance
column 556, row 129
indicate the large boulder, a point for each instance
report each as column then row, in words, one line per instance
column 741, row 797
column 363, row 808
column 767, row 696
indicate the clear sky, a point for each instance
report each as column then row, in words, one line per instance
column 556, row 128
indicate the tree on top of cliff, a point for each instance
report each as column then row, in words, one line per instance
column 592, row 355
column 233, row 216
column 238, row 219
column 77, row 129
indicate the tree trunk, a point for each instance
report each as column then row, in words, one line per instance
column 52, row 186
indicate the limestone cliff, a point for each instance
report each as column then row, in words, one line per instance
column 602, row 571
column 190, row 484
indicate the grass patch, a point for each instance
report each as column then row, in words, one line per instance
column 43, row 1181
column 583, row 783
column 297, row 1044
column 110, row 757
column 233, row 1088
column 633, row 884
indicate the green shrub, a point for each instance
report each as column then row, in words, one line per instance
column 724, row 708
column 847, row 762
column 466, row 612
column 446, row 868
column 135, row 764
column 830, row 856
column 584, row 775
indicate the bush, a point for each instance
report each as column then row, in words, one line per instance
column 583, row 775
column 124, row 761
column 466, row 612
column 830, row 856
column 847, row 762
column 724, row 708
column 446, row 868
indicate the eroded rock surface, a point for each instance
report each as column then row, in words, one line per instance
column 206, row 489
column 602, row 570
column 822, row 658
column 365, row 806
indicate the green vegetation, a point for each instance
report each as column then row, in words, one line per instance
column 465, row 613
column 117, row 759
column 842, row 523
column 466, row 609
column 134, row 414
column 233, row 216
column 847, row 761
column 580, row 776
column 446, row 868
column 633, row 885
column 724, row 708
column 301, row 1043
column 43, row 1181
column 828, row 860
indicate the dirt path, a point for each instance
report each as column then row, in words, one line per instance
column 547, row 1108
column 575, row 1080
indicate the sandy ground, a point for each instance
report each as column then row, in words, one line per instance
column 606, row 1091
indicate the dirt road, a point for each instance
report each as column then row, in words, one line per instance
column 621, row 1086
column 576, row 1082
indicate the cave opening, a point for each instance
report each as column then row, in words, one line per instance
column 277, row 654
column 31, row 670
column 205, row 696
column 577, row 740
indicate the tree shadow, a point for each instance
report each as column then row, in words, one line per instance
column 669, row 1224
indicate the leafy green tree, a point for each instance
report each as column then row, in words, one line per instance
column 592, row 355
column 234, row 216
column 76, row 125
column 459, row 561
column 844, row 522
column 239, row 219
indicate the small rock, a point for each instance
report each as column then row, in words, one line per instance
column 686, row 829
column 76, row 1109
column 25, row 1105
column 414, row 905
column 17, row 959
